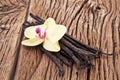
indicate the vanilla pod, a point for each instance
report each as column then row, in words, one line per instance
column 72, row 51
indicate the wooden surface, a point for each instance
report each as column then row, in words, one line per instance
column 93, row 22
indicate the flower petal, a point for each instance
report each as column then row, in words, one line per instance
column 49, row 22
column 54, row 47
column 32, row 42
column 30, row 32
column 56, row 33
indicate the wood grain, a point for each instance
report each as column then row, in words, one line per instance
column 93, row 22
column 11, row 18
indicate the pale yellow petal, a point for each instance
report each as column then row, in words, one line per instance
column 32, row 42
column 56, row 33
column 30, row 32
column 50, row 22
column 54, row 47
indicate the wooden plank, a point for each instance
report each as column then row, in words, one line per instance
column 108, row 29
column 34, row 69
column 12, row 15
column 93, row 22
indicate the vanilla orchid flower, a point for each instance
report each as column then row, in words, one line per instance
column 48, row 33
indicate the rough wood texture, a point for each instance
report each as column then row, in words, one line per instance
column 12, row 15
column 93, row 22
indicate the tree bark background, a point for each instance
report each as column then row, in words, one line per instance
column 93, row 22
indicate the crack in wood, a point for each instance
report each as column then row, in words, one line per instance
column 13, row 71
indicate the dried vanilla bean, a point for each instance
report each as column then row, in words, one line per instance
column 79, row 63
column 54, row 59
column 63, row 59
column 38, row 19
column 80, row 45
column 84, row 53
column 79, row 59
column 70, row 53
column 65, row 55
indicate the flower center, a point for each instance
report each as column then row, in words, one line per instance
column 40, row 33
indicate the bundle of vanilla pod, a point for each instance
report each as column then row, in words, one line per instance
column 72, row 51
